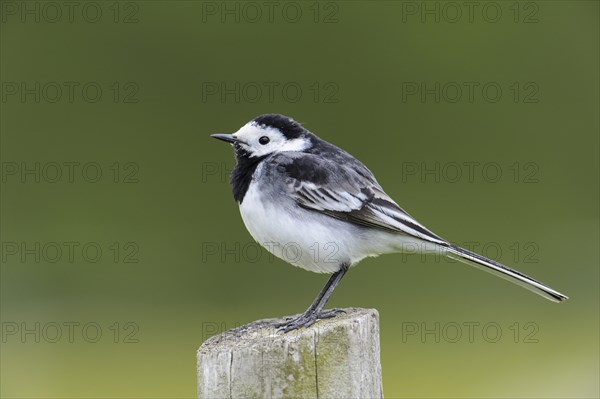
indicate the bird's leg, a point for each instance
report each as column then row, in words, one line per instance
column 315, row 310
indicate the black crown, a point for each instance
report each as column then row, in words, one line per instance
column 287, row 126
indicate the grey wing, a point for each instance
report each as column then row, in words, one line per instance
column 348, row 192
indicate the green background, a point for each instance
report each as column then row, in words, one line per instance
column 174, row 210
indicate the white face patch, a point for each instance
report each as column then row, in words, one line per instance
column 251, row 134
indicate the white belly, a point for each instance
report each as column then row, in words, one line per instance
column 312, row 241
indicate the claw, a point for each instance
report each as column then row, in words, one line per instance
column 300, row 321
column 328, row 314
column 306, row 320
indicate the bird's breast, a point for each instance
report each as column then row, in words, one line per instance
column 301, row 237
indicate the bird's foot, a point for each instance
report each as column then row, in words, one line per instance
column 306, row 319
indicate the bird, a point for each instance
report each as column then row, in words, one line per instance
column 315, row 206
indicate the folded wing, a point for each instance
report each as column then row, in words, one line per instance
column 348, row 192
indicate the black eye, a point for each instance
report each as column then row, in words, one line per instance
column 264, row 140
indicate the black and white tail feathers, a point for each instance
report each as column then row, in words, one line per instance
column 505, row 272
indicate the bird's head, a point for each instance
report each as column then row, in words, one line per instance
column 268, row 134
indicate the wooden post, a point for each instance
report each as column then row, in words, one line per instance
column 334, row 358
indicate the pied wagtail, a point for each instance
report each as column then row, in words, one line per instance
column 315, row 206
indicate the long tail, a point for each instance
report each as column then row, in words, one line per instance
column 505, row 272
